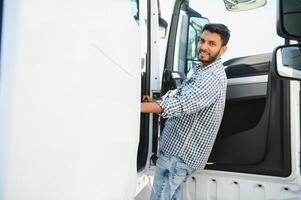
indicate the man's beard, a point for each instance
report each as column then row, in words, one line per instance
column 211, row 59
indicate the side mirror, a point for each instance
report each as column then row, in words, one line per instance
column 288, row 61
column 289, row 19
column 243, row 5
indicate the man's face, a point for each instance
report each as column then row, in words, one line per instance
column 210, row 47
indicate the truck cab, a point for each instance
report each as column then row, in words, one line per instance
column 72, row 75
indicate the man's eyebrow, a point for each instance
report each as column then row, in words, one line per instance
column 212, row 41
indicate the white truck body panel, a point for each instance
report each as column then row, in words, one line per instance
column 69, row 100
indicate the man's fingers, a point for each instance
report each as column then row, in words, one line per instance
column 145, row 98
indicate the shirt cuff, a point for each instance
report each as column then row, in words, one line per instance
column 163, row 105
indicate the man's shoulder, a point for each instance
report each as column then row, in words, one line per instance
column 215, row 71
column 216, row 75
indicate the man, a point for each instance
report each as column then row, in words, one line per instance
column 194, row 111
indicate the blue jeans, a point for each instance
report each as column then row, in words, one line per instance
column 171, row 172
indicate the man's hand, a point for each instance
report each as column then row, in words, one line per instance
column 149, row 105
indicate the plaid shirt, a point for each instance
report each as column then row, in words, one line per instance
column 194, row 111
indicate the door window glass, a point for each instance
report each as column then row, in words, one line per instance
column 196, row 25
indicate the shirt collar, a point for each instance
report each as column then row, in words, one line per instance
column 214, row 64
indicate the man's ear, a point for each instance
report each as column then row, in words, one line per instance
column 223, row 49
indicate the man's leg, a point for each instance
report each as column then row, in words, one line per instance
column 181, row 172
column 170, row 173
column 161, row 185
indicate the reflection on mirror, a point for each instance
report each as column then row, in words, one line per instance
column 243, row 5
column 291, row 17
column 196, row 25
column 288, row 61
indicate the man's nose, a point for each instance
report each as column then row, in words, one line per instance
column 203, row 46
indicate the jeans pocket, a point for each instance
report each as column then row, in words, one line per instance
column 182, row 167
column 181, row 172
column 162, row 161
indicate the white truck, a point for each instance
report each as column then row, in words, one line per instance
column 71, row 79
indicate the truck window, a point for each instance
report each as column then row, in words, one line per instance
column 195, row 28
column 189, row 30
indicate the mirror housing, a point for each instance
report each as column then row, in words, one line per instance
column 289, row 19
column 288, row 62
column 243, row 5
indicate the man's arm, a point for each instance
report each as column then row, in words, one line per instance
column 149, row 105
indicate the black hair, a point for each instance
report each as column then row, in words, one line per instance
column 220, row 29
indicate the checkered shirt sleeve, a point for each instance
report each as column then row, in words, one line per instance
column 191, row 99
